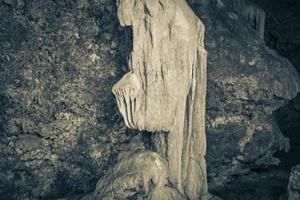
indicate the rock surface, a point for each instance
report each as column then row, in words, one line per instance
column 252, row 13
column 282, row 33
column 59, row 123
column 247, row 82
column 138, row 174
column 282, row 28
column 132, row 175
column 165, row 89
column 293, row 190
column 268, row 184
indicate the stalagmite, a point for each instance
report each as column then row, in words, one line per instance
column 138, row 174
column 133, row 174
column 166, row 87
column 254, row 14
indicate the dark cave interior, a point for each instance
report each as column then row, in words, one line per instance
column 283, row 35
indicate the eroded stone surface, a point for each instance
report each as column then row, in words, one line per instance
column 253, row 13
column 133, row 174
column 59, row 129
column 247, row 82
column 138, row 174
column 141, row 174
column 59, row 60
column 165, row 89
column 293, row 190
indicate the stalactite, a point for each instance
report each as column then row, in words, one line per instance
column 250, row 11
column 254, row 15
column 166, row 87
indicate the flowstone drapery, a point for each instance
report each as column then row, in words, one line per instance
column 166, row 87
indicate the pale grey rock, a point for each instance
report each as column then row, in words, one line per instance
column 165, row 89
column 133, row 174
column 138, row 174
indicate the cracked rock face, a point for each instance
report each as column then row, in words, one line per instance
column 247, row 82
column 60, row 129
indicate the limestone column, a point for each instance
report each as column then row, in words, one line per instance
column 165, row 88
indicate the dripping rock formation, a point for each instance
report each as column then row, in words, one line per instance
column 252, row 13
column 60, row 129
column 165, row 89
column 138, row 174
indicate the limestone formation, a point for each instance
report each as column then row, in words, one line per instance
column 138, row 174
column 133, row 174
column 166, row 87
column 253, row 13
column 61, row 134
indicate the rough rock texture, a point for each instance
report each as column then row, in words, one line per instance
column 132, row 174
column 282, row 33
column 257, row 185
column 253, row 14
column 288, row 118
column 138, row 174
column 247, row 9
column 59, row 124
column 282, row 30
column 293, row 190
column 165, row 89
column 247, row 82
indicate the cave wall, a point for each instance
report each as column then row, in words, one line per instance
column 245, row 86
column 282, row 34
column 60, row 126
column 282, row 28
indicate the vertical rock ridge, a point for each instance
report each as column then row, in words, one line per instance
column 167, row 80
